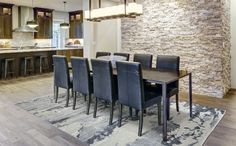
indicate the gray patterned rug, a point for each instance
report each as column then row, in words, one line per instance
column 181, row 129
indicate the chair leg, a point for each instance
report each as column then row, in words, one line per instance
column 56, row 93
column 136, row 113
column 25, row 68
column 6, row 69
column 140, row 123
column 159, row 113
column 72, row 93
column 95, row 107
column 130, row 112
column 88, row 104
column 74, row 102
column 145, row 111
column 120, row 114
column 168, row 108
column 67, row 97
column 84, row 97
column 111, row 113
column 177, row 102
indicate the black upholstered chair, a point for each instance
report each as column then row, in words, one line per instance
column 100, row 54
column 61, row 76
column 82, row 81
column 171, row 64
column 132, row 93
column 103, row 84
column 126, row 55
column 144, row 59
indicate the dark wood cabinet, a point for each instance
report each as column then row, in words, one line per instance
column 76, row 24
column 5, row 21
column 44, row 18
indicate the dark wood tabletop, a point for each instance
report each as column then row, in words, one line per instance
column 156, row 76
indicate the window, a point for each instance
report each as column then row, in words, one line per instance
column 59, row 36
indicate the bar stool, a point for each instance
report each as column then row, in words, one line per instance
column 28, row 65
column 9, row 64
column 43, row 63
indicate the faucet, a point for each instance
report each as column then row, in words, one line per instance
column 35, row 45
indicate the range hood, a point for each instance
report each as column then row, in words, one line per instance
column 24, row 14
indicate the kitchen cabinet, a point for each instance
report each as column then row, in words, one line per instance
column 76, row 24
column 44, row 19
column 5, row 21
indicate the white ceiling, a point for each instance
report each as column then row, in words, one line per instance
column 72, row 5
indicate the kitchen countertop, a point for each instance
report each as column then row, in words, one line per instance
column 13, row 50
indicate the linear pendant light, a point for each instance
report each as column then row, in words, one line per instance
column 130, row 10
column 64, row 25
column 32, row 23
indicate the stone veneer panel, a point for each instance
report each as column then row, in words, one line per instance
column 195, row 30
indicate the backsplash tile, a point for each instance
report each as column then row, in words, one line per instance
column 25, row 39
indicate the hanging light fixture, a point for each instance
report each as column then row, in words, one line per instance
column 32, row 23
column 64, row 25
column 128, row 9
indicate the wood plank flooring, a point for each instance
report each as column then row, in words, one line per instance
column 21, row 128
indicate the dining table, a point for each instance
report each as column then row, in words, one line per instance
column 164, row 78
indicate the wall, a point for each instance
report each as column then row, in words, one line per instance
column 100, row 36
column 233, row 44
column 197, row 31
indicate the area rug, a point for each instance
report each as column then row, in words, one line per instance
column 95, row 131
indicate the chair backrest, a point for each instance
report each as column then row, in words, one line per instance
column 130, row 84
column 168, row 63
column 61, row 72
column 81, row 75
column 144, row 59
column 126, row 55
column 103, row 82
column 99, row 54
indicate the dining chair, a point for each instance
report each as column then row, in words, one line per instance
column 103, row 85
column 146, row 62
column 62, row 77
column 126, row 55
column 132, row 92
column 144, row 59
column 82, row 80
column 171, row 64
column 100, row 54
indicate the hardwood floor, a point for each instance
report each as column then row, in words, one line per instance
column 21, row 128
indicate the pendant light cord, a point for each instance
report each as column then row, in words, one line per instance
column 64, row 9
column 64, row 5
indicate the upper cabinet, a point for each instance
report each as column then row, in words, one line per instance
column 76, row 24
column 45, row 22
column 5, row 21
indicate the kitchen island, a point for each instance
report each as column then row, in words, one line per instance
column 19, row 54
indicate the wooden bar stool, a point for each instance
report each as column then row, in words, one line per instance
column 28, row 65
column 9, row 65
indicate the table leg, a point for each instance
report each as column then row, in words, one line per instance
column 164, row 111
column 190, row 94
